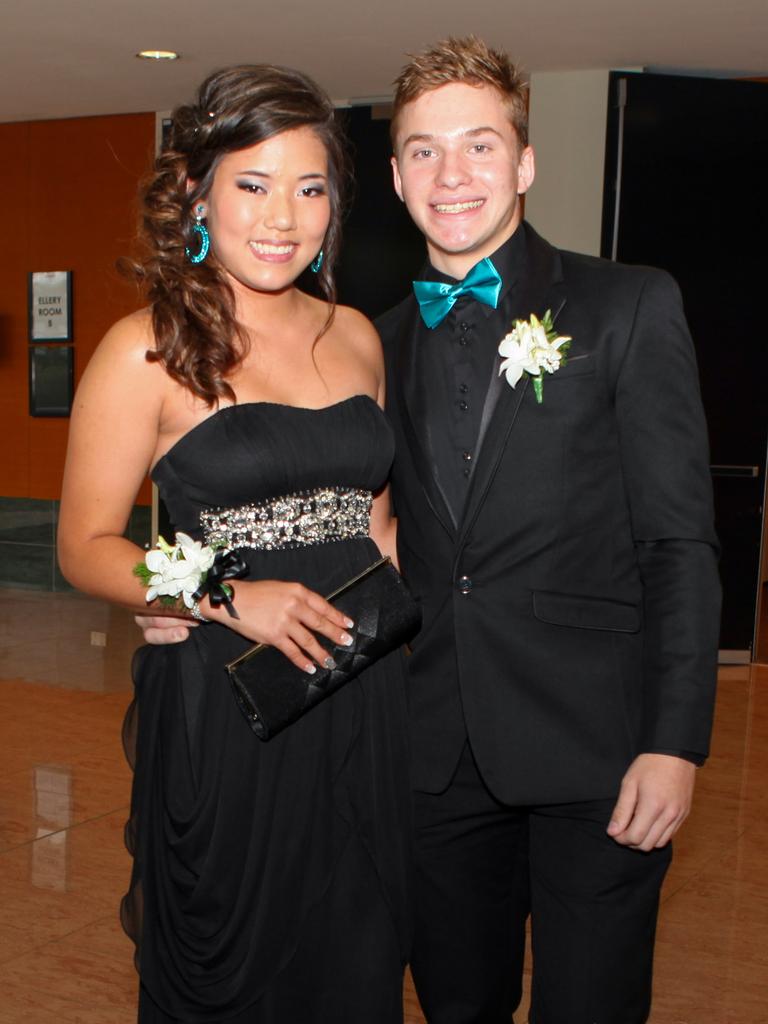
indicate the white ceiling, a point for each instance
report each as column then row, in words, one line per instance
column 64, row 58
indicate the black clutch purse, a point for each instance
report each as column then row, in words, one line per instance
column 272, row 692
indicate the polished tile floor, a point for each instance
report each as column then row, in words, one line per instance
column 64, row 791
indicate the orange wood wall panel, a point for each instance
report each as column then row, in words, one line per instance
column 14, row 247
column 69, row 191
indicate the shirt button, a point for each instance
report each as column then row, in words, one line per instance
column 467, row 456
column 463, row 406
column 463, row 389
column 466, row 472
column 463, row 340
column 465, row 584
column 464, row 325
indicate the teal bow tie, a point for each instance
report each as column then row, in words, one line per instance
column 436, row 299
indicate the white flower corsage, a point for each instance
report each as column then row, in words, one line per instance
column 533, row 347
column 189, row 570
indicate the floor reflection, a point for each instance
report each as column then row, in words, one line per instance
column 53, row 815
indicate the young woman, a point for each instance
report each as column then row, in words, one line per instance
column 269, row 880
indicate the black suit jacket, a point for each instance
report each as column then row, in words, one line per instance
column 571, row 614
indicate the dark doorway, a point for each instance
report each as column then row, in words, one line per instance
column 685, row 189
column 382, row 249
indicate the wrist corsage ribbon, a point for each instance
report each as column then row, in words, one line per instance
column 190, row 570
column 533, row 347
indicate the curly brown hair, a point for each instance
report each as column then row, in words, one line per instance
column 467, row 60
column 197, row 336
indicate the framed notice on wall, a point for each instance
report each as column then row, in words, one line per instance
column 50, row 305
column 51, row 380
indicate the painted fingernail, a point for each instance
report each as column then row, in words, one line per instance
column 346, row 640
column 310, row 669
column 349, row 623
column 329, row 663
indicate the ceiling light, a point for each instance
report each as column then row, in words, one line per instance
column 158, row 55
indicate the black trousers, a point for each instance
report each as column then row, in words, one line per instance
column 482, row 867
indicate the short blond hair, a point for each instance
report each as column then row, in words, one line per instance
column 467, row 60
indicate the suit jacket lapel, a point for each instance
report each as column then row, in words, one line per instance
column 409, row 390
column 540, row 289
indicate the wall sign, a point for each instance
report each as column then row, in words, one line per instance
column 51, row 380
column 50, row 305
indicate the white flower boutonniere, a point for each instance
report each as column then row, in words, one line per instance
column 533, row 347
column 175, row 570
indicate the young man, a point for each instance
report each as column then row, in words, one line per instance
column 560, row 539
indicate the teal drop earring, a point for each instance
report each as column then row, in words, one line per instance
column 316, row 263
column 198, row 228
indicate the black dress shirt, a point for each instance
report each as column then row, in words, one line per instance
column 457, row 358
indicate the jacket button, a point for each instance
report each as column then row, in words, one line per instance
column 465, row 584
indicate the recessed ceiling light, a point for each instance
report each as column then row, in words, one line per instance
column 158, row 55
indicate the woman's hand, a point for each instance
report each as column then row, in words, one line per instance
column 285, row 616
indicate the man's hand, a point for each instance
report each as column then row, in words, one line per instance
column 654, row 801
column 161, row 629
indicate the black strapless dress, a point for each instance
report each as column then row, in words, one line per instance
column 270, row 880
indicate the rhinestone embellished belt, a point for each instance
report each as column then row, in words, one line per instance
column 296, row 520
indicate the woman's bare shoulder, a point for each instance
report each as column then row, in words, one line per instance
column 120, row 365
column 125, row 345
column 356, row 329
column 131, row 334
